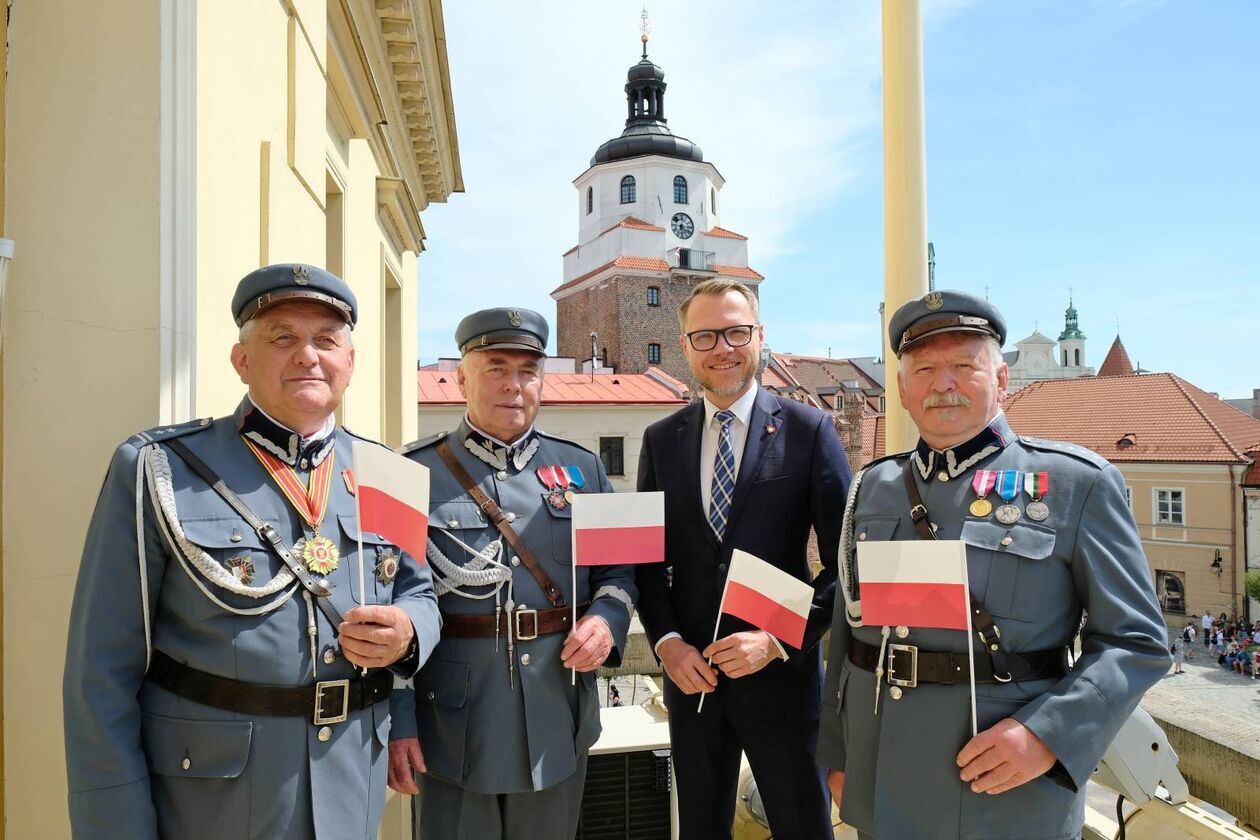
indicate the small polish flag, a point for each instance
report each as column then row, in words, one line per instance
column 767, row 597
column 393, row 496
column 917, row 583
column 611, row 529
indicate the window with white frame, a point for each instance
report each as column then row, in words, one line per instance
column 1170, row 507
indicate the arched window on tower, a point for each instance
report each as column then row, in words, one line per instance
column 712, row 200
column 627, row 190
column 1078, row 358
column 680, row 189
column 1065, row 364
column 590, row 200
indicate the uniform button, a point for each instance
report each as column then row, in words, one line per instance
column 902, row 631
column 516, row 561
column 942, row 476
column 862, row 535
column 325, row 732
column 205, row 421
column 501, row 475
column 1007, row 540
column 452, row 523
column 721, row 567
column 330, row 656
column 186, row 763
column 236, row 536
column 895, row 692
column 509, row 516
column 525, row 660
column 305, row 464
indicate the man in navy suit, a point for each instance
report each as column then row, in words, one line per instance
column 740, row 469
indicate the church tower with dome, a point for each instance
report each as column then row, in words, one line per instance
column 649, row 230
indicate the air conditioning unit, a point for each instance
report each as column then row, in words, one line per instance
column 629, row 778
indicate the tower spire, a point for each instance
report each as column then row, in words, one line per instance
column 644, row 31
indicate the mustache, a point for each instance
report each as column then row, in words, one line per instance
column 946, row 400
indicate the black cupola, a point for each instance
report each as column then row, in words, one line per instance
column 646, row 131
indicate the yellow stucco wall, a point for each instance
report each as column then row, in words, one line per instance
column 1212, row 519
column 84, row 339
column 81, row 367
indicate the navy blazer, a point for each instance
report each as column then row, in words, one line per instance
column 793, row 476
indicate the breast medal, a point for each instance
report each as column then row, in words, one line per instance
column 387, row 566
column 319, row 553
column 982, row 482
column 550, row 477
column 1037, row 484
column 1009, row 483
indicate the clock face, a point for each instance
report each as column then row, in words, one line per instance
column 682, row 226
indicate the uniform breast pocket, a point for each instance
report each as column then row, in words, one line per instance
column 379, row 556
column 1017, row 555
column 560, row 521
column 236, row 550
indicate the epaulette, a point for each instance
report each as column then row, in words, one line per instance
column 161, row 433
column 893, row 457
column 559, row 439
column 1089, row 456
column 422, row 443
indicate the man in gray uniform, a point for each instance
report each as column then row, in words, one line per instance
column 1049, row 539
column 495, row 725
column 220, row 679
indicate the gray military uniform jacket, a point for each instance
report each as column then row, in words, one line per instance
column 1037, row 579
column 167, row 567
column 478, row 727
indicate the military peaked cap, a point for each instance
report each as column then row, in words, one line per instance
column 941, row 312
column 272, row 284
column 503, row 329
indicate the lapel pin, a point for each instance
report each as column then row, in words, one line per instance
column 771, row 428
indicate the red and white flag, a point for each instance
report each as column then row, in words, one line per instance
column 916, row 583
column 393, row 495
column 767, row 597
column 612, row 529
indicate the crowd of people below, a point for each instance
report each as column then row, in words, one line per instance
column 1235, row 645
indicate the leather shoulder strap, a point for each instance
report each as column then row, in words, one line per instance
column 269, row 535
column 492, row 510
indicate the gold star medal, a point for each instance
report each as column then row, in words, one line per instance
column 320, row 554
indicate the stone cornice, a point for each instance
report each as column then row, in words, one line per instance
column 414, row 37
column 394, row 203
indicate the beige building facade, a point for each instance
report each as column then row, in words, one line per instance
column 156, row 152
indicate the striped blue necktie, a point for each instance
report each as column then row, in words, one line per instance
column 723, row 487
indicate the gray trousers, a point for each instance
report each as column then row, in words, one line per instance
column 444, row 811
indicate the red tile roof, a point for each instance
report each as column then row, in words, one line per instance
column 643, row 263
column 873, row 436
column 1252, row 476
column 1117, row 362
column 738, row 271
column 1149, row 417
column 634, row 224
column 654, row 388
column 723, row 232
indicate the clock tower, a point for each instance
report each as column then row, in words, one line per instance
column 648, row 231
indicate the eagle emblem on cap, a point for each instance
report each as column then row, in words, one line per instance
column 301, row 275
column 514, row 317
column 933, row 300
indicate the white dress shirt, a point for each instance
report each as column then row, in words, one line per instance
column 709, row 435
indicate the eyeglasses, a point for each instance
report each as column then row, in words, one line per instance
column 736, row 336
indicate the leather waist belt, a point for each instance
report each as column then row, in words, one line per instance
column 907, row 665
column 526, row 624
column 330, row 701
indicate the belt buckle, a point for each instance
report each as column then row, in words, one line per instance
column 322, row 719
column 521, row 635
column 913, row 680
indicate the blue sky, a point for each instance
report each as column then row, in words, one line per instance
column 1101, row 147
